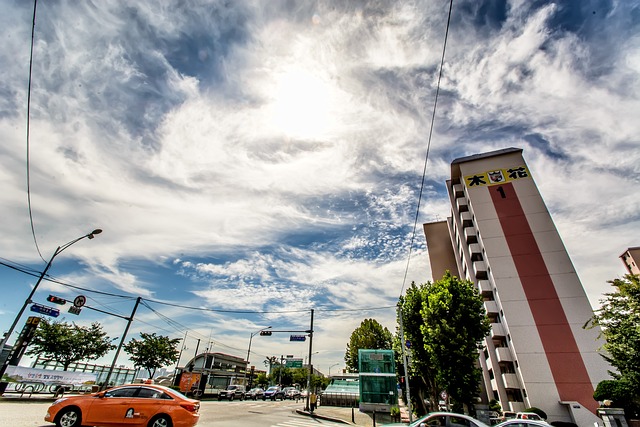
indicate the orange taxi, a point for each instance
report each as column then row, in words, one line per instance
column 145, row 405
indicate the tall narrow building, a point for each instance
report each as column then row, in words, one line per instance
column 501, row 236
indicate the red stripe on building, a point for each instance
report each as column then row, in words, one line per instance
column 566, row 363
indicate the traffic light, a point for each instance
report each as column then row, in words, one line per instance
column 56, row 300
column 267, row 333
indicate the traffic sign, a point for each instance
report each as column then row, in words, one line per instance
column 79, row 301
column 297, row 338
column 293, row 363
column 43, row 309
column 75, row 310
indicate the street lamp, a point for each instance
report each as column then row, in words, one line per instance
column 249, row 351
column 335, row 364
column 33, row 291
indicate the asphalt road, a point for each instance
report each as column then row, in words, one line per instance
column 212, row 413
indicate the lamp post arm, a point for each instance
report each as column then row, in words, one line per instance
column 28, row 300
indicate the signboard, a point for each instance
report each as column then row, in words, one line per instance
column 294, row 362
column 297, row 338
column 43, row 309
column 75, row 310
column 48, row 376
column 495, row 177
column 189, row 381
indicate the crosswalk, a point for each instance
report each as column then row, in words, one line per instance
column 307, row 422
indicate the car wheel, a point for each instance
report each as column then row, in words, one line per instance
column 160, row 421
column 70, row 417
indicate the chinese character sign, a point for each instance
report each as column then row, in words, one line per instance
column 499, row 176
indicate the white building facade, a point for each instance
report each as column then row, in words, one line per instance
column 501, row 236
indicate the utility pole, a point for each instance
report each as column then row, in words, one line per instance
column 115, row 358
column 310, row 364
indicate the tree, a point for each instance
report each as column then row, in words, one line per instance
column 369, row 335
column 68, row 343
column 619, row 317
column 445, row 321
column 152, row 351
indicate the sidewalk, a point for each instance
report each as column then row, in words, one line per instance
column 353, row 416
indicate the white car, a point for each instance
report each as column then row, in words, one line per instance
column 443, row 419
column 519, row 422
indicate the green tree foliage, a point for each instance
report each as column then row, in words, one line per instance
column 152, row 351
column 261, row 380
column 445, row 322
column 67, row 343
column 619, row 318
column 369, row 335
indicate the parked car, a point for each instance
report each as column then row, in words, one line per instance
column 528, row 416
column 145, row 405
column 291, row 393
column 273, row 393
column 521, row 422
column 255, row 393
column 442, row 419
column 232, row 392
column 506, row 415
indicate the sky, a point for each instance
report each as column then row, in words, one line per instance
column 251, row 161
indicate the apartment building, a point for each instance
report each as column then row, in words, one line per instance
column 501, row 236
column 631, row 260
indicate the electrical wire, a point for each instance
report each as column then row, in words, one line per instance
column 426, row 159
column 33, row 32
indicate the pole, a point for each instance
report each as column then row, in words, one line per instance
column 310, row 366
column 249, row 352
column 29, row 301
column 406, row 365
column 124, row 335
column 182, row 347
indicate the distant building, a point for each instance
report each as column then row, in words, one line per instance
column 631, row 260
column 501, row 236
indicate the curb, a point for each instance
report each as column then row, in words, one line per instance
column 322, row 417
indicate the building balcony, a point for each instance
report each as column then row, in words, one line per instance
column 470, row 235
column 480, row 270
column 461, row 204
column 510, row 381
column 466, row 219
column 484, row 286
column 497, row 330
column 458, row 191
column 503, row 354
column 476, row 252
column 491, row 307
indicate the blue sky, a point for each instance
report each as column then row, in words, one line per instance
column 257, row 159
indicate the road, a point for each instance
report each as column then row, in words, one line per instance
column 212, row 414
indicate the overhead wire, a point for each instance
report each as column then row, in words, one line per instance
column 426, row 158
column 33, row 32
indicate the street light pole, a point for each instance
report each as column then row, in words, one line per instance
column 335, row 364
column 249, row 352
column 33, row 291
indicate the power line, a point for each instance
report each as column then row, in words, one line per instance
column 33, row 32
column 426, row 159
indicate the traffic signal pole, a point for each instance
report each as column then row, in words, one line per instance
column 310, row 365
